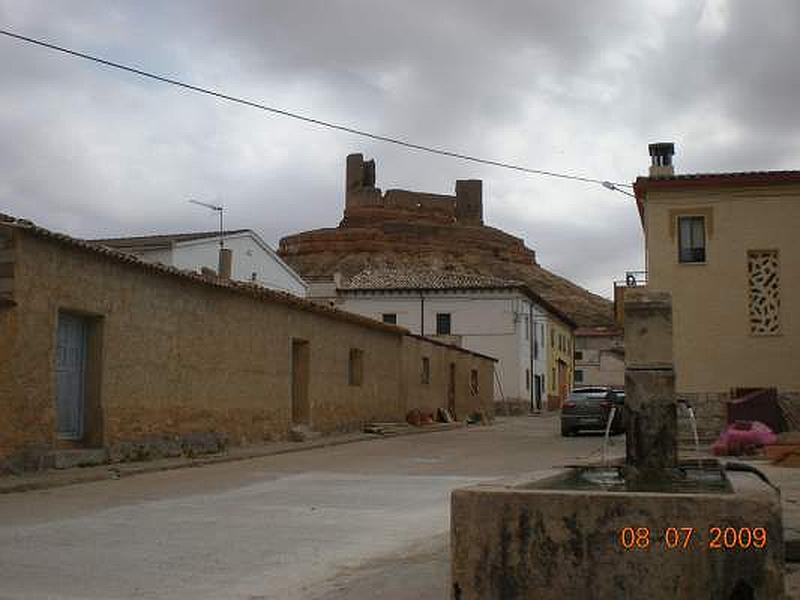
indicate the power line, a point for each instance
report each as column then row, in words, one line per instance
column 306, row 119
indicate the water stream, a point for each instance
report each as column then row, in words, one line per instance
column 611, row 414
column 690, row 412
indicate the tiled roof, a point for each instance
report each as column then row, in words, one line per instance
column 250, row 289
column 766, row 176
column 253, row 290
column 691, row 180
column 160, row 240
column 434, row 279
column 423, row 279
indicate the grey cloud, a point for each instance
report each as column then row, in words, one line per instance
column 567, row 86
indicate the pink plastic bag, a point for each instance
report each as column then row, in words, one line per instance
column 743, row 437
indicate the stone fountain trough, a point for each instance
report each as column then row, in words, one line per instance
column 651, row 527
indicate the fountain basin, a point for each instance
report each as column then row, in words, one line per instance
column 590, row 533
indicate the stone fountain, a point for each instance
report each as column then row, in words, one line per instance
column 649, row 527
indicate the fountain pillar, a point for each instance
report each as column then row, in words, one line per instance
column 651, row 410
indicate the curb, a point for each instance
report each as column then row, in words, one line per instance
column 78, row 475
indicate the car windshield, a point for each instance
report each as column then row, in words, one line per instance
column 588, row 395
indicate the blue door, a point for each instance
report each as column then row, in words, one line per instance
column 70, row 375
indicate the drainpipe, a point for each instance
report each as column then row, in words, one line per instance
column 421, row 313
column 532, row 338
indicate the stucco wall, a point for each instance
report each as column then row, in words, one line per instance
column 556, row 352
column 714, row 350
column 598, row 363
column 489, row 322
column 433, row 395
column 177, row 356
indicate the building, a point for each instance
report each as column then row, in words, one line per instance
column 101, row 351
column 252, row 258
column 725, row 246
column 560, row 361
column 599, row 357
column 489, row 315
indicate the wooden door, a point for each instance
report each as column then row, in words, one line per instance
column 70, row 376
column 563, row 382
column 301, row 407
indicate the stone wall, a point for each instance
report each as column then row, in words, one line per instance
column 710, row 412
column 465, row 207
column 171, row 355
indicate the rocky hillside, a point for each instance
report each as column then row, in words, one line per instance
column 380, row 237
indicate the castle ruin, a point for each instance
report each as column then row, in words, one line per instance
column 361, row 195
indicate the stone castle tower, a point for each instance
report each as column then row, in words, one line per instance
column 464, row 208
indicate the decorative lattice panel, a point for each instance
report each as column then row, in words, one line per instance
column 765, row 300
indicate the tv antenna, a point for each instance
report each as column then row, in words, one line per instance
column 219, row 209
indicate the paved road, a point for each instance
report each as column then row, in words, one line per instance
column 353, row 521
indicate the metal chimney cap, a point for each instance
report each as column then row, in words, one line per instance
column 661, row 149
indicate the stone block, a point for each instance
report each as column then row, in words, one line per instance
column 146, row 448
column 512, row 541
column 648, row 329
column 200, row 443
column 302, row 433
column 79, row 457
column 651, row 419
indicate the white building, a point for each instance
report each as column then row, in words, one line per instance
column 253, row 259
column 500, row 318
column 599, row 357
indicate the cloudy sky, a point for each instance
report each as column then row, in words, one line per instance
column 569, row 85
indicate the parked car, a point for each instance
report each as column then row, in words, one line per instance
column 588, row 408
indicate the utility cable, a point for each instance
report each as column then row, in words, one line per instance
column 313, row 120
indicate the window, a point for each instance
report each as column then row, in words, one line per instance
column 765, row 300
column 442, row 323
column 473, row 382
column 390, row 318
column 525, row 326
column 578, row 355
column 553, row 381
column 552, row 338
column 578, row 376
column 355, row 371
column 691, row 239
column 426, row 369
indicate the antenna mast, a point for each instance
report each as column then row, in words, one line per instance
column 219, row 209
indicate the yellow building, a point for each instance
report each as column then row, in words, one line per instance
column 726, row 246
column 560, row 363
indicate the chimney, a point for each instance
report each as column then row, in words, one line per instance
column 661, row 159
column 225, row 263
